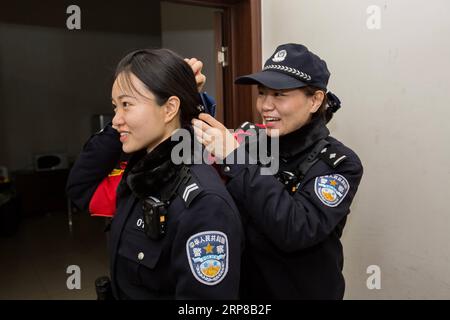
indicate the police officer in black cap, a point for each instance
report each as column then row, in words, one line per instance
column 294, row 218
column 176, row 232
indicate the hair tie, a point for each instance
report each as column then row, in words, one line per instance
column 333, row 102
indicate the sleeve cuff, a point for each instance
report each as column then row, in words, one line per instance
column 236, row 161
column 208, row 103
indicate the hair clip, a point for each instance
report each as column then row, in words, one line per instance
column 201, row 108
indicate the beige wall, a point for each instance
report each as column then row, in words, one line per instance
column 394, row 84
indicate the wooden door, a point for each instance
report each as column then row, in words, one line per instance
column 241, row 35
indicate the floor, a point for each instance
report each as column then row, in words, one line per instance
column 34, row 261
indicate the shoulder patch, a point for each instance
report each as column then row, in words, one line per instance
column 332, row 157
column 189, row 187
column 190, row 191
column 331, row 189
column 207, row 253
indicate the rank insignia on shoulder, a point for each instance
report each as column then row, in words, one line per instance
column 190, row 192
column 331, row 189
column 332, row 157
column 208, row 254
column 188, row 187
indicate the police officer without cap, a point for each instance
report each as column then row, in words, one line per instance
column 176, row 232
column 293, row 219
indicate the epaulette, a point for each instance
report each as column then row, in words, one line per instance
column 189, row 187
column 331, row 156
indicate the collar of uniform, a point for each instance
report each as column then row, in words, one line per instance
column 153, row 171
column 300, row 140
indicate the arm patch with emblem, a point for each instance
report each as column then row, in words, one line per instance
column 331, row 189
column 207, row 253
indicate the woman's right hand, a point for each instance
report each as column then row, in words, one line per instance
column 216, row 138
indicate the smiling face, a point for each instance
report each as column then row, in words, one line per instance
column 286, row 110
column 141, row 122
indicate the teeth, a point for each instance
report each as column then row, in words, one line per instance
column 123, row 134
column 272, row 119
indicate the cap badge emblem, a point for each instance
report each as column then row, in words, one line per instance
column 280, row 56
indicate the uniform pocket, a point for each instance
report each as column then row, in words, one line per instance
column 140, row 249
column 142, row 257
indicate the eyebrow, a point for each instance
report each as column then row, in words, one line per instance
column 123, row 96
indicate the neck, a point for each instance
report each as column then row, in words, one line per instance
column 170, row 129
column 295, row 142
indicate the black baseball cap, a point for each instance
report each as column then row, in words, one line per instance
column 291, row 66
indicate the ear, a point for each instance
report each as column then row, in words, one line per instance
column 317, row 100
column 171, row 108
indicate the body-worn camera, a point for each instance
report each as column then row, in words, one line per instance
column 155, row 218
column 289, row 180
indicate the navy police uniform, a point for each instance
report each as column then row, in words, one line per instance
column 293, row 230
column 176, row 232
column 293, row 220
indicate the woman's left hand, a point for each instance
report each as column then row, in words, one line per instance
column 197, row 67
column 216, row 138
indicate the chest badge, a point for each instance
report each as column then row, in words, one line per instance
column 208, row 254
column 331, row 189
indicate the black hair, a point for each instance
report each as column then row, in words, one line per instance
column 329, row 106
column 165, row 74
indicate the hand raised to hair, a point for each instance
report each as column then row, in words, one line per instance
column 197, row 66
column 216, row 138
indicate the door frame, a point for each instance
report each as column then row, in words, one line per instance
column 242, row 36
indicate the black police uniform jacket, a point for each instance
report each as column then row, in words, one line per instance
column 293, row 248
column 199, row 256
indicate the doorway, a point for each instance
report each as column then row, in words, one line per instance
column 237, row 51
column 192, row 31
column 67, row 77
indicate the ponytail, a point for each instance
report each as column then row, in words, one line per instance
column 333, row 104
column 329, row 106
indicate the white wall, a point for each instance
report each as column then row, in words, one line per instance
column 394, row 85
column 189, row 31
